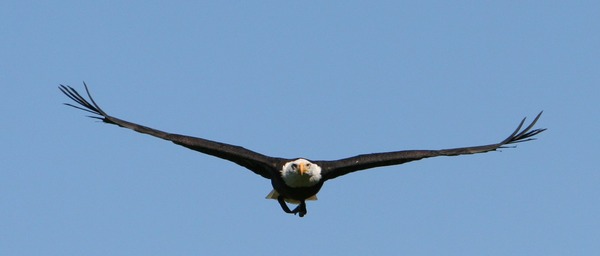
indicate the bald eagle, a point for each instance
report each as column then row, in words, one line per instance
column 294, row 180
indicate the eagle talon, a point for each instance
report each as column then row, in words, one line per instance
column 301, row 209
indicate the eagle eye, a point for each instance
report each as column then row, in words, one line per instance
column 294, row 166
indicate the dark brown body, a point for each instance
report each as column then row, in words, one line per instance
column 300, row 193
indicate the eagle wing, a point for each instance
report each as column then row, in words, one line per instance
column 262, row 165
column 333, row 169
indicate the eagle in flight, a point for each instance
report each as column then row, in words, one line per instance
column 298, row 179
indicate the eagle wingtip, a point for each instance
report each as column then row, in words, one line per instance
column 526, row 134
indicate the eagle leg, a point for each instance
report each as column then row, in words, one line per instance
column 300, row 209
column 284, row 206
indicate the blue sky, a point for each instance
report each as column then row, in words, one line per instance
column 317, row 80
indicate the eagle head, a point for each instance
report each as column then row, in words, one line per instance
column 301, row 173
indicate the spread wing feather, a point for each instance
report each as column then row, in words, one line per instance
column 333, row 169
column 266, row 166
column 262, row 165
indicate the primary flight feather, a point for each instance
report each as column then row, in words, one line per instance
column 294, row 180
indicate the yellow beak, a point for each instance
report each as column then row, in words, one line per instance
column 302, row 169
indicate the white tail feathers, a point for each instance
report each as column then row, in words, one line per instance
column 274, row 195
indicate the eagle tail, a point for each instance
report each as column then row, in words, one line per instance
column 274, row 195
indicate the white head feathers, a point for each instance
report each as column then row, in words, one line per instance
column 301, row 173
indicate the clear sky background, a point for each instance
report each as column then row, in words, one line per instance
column 311, row 79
